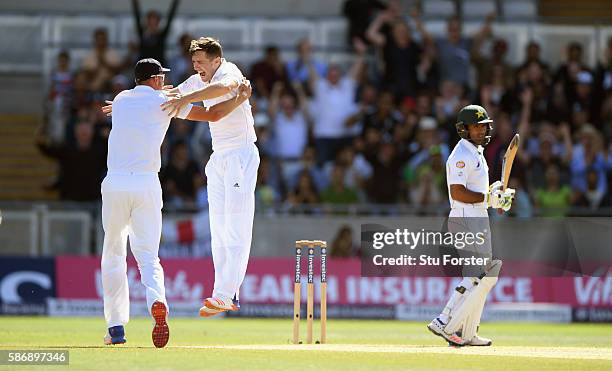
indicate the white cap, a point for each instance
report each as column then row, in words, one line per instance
column 427, row 123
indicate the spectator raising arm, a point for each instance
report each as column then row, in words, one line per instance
column 277, row 89
column 357, row 68
column 137, row 18
column 479, row 39
column 566, row 135
column 524, row 125
column 373, row 33
column 428, row 41
column 302, row 101
column 151, row 38
column 429, row 49
column 171, row 14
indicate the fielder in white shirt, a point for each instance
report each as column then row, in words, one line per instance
column 132, row 195
column 470, row 195
column 231, row 171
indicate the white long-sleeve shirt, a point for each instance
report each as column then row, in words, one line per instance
column 235, row 130
column 138, row 129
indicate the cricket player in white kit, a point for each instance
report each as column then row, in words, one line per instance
column 132, row 195
column 470, row 195
column 231, row 171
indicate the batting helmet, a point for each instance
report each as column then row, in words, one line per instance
column 471, row 115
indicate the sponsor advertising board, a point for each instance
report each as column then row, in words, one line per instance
column 26, row 284
column 268, row 291
column 68, row 285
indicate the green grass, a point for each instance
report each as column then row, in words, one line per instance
column 83, row 338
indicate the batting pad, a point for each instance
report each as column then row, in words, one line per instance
column 468, row 311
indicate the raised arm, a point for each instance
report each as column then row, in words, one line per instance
column 373, row 33
column 171, row 14
column 277, row 88
column 428, row 41
column 313, row 76
column 302, row 101
column 567, row 142
column 524, row 125
column 479, row 38
column 360, row 49
column 136, row 13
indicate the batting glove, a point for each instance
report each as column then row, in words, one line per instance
column 507, row 198
column 494, row 195
column 497, row 186
column 495, row 199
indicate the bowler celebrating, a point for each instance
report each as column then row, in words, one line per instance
column 470, row 195
column 231, row 171
column 132, row 196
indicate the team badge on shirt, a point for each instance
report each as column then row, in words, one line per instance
column 460, row 164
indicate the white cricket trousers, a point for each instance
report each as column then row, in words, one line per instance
column 131, row 206
column 231, row 176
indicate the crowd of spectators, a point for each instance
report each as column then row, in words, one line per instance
column 377, row 131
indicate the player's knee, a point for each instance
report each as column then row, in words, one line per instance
column 145, row 258
column 110, row 260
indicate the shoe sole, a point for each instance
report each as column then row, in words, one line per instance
column 210, row 305
column 204, row 313
column 117, row 343
column 451, row 343
column 161, row 333
column 481, row 345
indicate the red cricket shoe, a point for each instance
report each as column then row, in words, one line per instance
column 161, row 332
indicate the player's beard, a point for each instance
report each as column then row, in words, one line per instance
column 479, row 141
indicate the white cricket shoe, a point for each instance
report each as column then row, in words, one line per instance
column 478, row 341
column 108, row 340
column 220, row 303
column 437, row 328
column 208, row 312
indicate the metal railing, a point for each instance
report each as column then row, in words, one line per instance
column 54, row 228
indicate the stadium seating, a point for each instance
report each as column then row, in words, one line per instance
column 23, row 170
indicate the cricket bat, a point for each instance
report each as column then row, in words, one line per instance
column 508, row 160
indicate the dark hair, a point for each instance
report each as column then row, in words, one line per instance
column 100, row 31
column 453, row 18
column 153, row 13
column 271, row 49
column 575, row 45
column 208, row 45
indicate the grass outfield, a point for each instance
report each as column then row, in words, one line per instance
column 263, row 344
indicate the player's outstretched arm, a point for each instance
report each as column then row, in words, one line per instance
column 220, row 110
column 217, row 89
